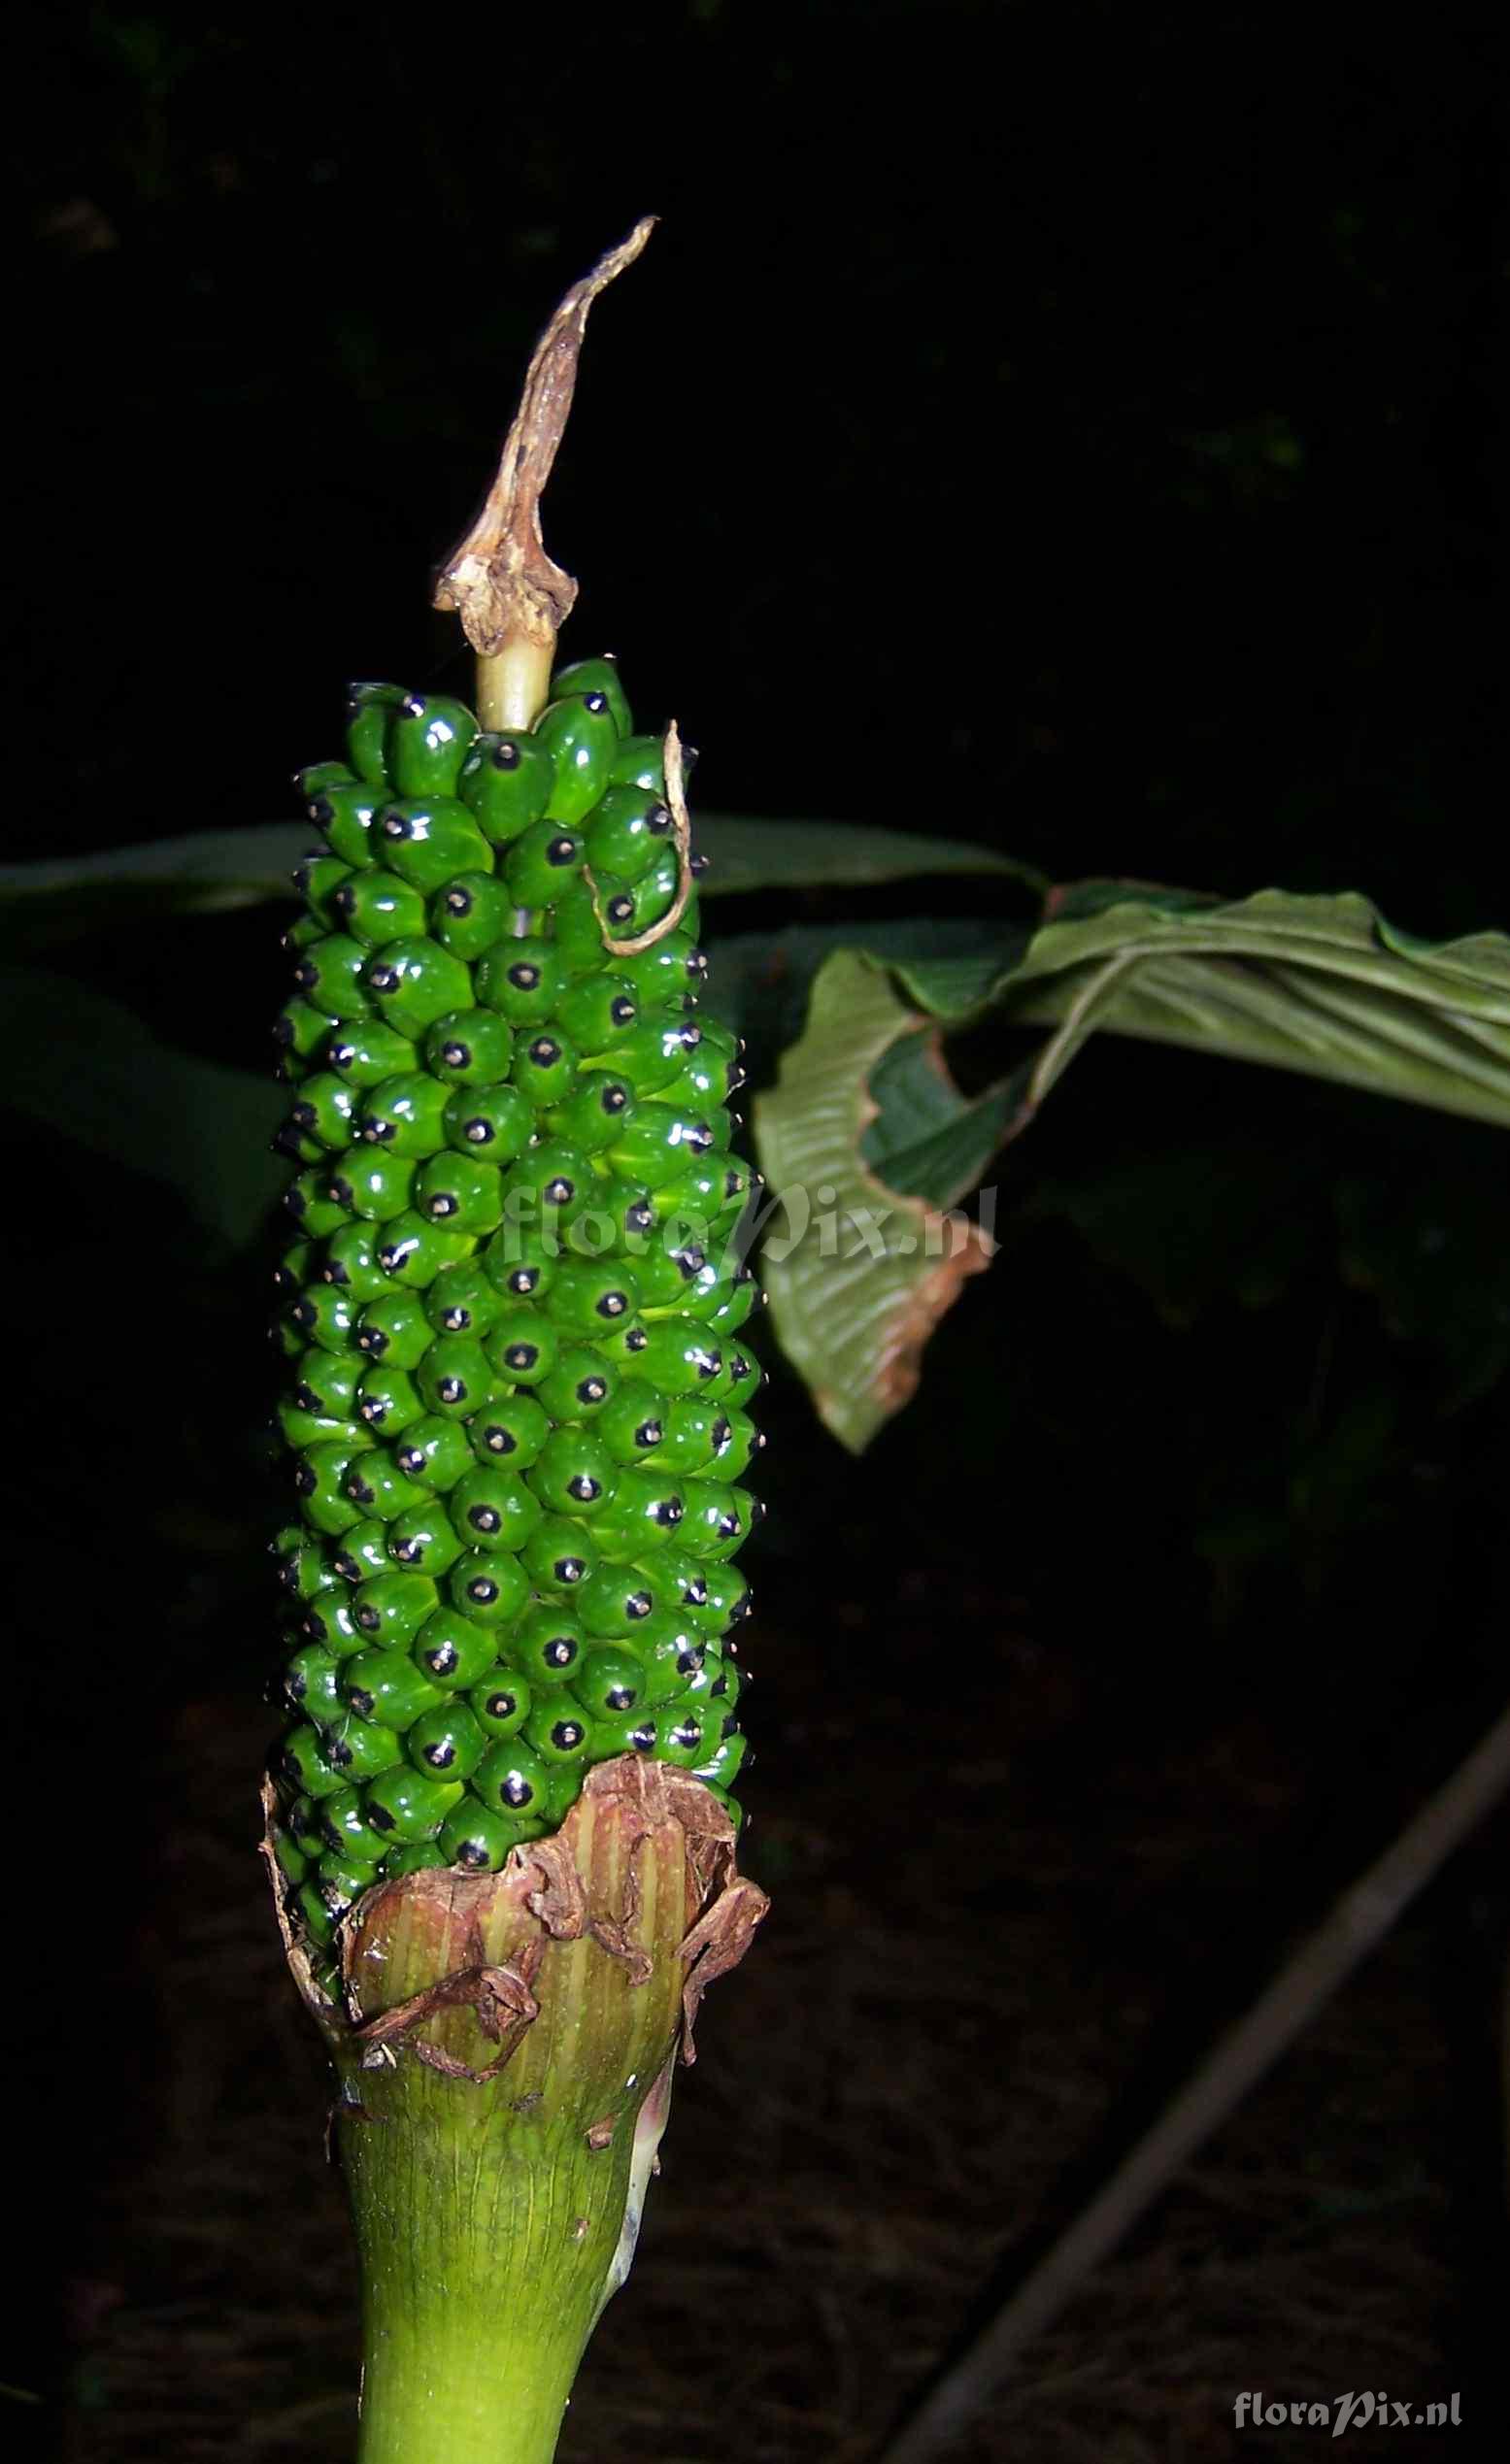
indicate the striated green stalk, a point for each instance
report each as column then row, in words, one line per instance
column 502, row 1833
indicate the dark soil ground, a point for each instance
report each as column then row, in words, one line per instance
column 969, row 1996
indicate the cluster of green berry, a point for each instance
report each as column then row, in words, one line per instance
column 513, row 1303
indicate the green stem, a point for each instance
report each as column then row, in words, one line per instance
column 488, row 2240
column 505, row 2044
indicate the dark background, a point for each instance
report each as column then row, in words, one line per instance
column 1071, row 428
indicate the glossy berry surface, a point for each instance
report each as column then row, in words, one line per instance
column 517, row 1396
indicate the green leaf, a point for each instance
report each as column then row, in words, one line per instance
column 218, row 868
column 927, row 1139
column 857, row 1276
column 87, row 1067
column 752, row 856
column 1319, row 984
column 758, row 983
column 210, row 869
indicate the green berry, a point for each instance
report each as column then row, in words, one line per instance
column 470, row 915
column 539, row 865
column 451, row 1651
column 449, row 1741
column 478, row 1838
column 511, row 1777
column 520, row 979
column 469, row 1048
column 407, row 1805
column 489, row 1587
column 579, row 733
column 506, row 783
column 501, row 1704
column 428, row 739
column 370, row 708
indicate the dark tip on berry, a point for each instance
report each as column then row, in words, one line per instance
column 410, row 1461
column 413, row 706
column 485, row 1518
column 721, row 1432
column 643, row 1739
column 442, row 1754
column 456, row 1056
column 473, row 1854
column 408, row 1553
column 362, row 1703
column 283, row 1032
column 613, row 1304
column 379, row 1818
column 545, row 1053
column 569, row 1569
column 459, row 901
column 306, row 975
column 659, row 819
column 516, row 1791
column 596, row 703
column 524, row 1281
column 393, row 825
column 561, row 850
column 338, row 1752
column 477, row 1131
column 484, row 1590
column 591, row 1390
column 622, row 1012
column 499, row 1441
column 322, row 811
column 638, row 1605
column 334, row 1272
column 698, row 864
column 384, row 979
column 506, row 756
column 649, row 1433
column 453, row 1389
column 371, row 1341
column 640, row 1217
column 668, row 1512
column 636, row 1339
column 340, row 1192
column 559, row 1651
column 442, row 1204
column 560, row 1191
column 502, row 1706
column 620, row 909
column 568, row 1734
column 305, row 1482
column 523, row 976
column 344, row 900
column 583, row 1488
column 519, row 1356
column 441, row 1659
column 457, row 1319
column 696, row 1596
column 347, row 1568
column 620, row 1698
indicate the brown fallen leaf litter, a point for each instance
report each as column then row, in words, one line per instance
column 947, row 2028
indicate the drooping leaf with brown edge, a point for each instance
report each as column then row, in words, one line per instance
column 858, row 1274
column 865, row 1106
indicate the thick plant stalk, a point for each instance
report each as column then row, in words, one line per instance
column 502, row 1834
